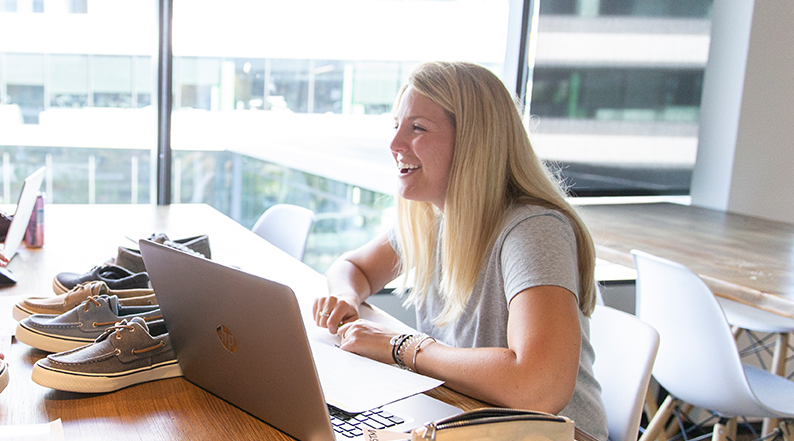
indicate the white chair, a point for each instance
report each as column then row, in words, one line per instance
column 625, row 349
column 698, row 362
column 287, row 227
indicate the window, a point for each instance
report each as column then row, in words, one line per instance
column 616, row 88
column 68, row 81
column 78, row 103
column 289, row 101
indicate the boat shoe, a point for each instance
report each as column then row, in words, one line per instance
column 132, row 260
column 3, row 375
column 126, row 354
column 80, row 326
column 114, row 276
column 65, row 302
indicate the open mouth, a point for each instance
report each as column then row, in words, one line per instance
column 406, row 168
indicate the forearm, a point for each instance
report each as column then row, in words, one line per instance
column 346, row 280
column 497, row 376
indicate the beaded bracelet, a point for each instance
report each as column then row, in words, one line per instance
column 396, row 343
column 402, row 349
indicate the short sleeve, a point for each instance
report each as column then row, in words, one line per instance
column 540, row 250
column 393, row 240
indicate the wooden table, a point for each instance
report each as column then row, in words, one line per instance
column 743, row 258
column 78, row 237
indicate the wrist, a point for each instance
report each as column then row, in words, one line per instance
column 406, row 347
column 351, row 299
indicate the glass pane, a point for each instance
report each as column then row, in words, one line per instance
column 277, row 105
column 68, row 80
column 78, row 103
column 112, row 80
column 616, row 92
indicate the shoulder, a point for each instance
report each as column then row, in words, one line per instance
column 526, row 218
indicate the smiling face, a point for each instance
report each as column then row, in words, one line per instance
column 423, row 147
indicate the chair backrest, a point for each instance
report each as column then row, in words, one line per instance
column 625, row 349
column 287, row 227
column 698, row 361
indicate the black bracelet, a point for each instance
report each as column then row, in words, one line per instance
column 404, row 345
column 396, row 342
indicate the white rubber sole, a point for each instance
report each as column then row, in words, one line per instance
column 46, row 342
column 101, row 383
column 57, row 287
column 3, row 375
column 20, row 313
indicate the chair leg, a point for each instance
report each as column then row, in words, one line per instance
column 650, row 404
column 787, row 427
column 673, row 427
column 656, row 425
column 720, row 432
column 779, row 368
column 732, row 426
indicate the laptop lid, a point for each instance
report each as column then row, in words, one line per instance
column 25, row 204
column 240, row 337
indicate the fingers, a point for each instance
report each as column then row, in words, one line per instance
column 322, row 309
column 330, row 312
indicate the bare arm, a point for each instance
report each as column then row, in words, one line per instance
column 352, row 279
column 537, row 371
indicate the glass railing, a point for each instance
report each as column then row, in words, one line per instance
column 239, row 186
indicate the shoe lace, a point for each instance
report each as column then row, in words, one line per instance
column 91, row 284
column 118, row 327
column 115, row 329
column 92, row 299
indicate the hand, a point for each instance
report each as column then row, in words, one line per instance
column 3, row 259
column 332, row 312
column 367, row 339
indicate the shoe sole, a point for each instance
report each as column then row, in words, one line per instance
column 101, row 383
column 58, row 287
column 19, row 313
column 48, row 342
column 3, row 375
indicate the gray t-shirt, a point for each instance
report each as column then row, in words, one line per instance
column 536, row 247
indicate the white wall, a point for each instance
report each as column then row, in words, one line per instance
column 745, row 161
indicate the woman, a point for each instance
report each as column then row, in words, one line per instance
column 501, row 266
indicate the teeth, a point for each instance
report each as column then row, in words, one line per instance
column 404, row 166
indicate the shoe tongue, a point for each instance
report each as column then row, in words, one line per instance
column 100, row 287
column 159, row 238
column 113, row 303
column 141, row 322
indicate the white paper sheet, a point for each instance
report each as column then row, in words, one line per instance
column 354, row 383
column 52, row 431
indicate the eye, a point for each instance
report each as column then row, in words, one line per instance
column 418, row 128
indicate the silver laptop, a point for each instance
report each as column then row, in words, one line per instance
column 242, row 338
column 25, row 204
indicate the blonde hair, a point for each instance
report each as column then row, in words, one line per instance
column 493, row 167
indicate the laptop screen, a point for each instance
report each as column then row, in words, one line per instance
column 19, row 223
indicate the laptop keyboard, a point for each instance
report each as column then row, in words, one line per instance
column 351, row 425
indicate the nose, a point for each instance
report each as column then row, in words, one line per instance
column 398, row 143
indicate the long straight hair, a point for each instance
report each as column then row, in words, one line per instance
column 494, row 166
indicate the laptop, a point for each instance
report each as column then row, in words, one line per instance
column 19, row 223
column 242, row 338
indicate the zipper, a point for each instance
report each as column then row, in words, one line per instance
column 485, row 416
